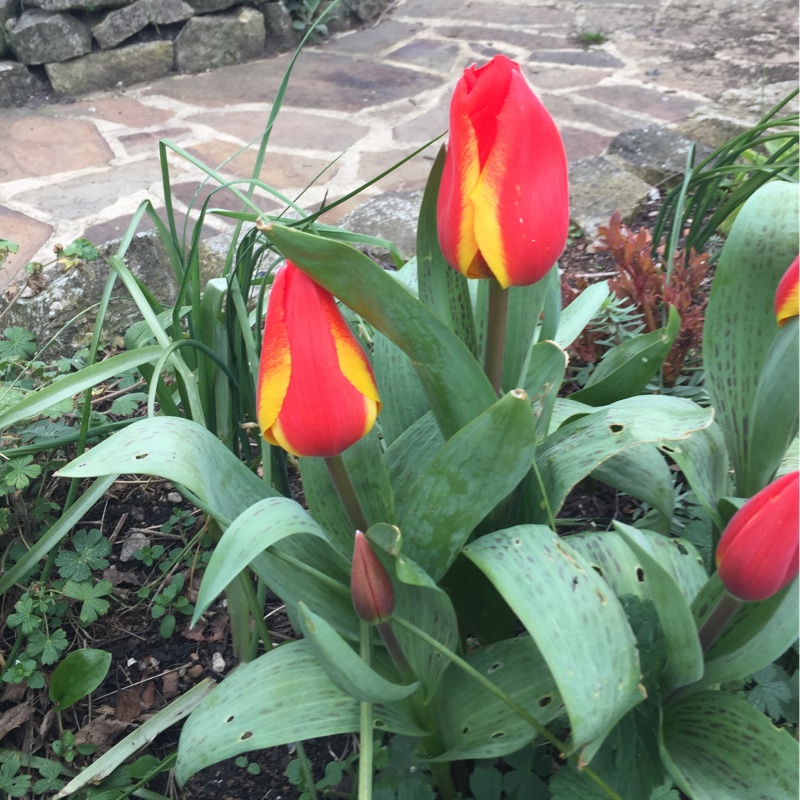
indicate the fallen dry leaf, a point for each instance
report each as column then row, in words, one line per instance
column 213, row 631
column 128, row 706
column 14, row 717
column 170, row 685
column 102, row 732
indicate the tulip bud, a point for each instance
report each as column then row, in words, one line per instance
column 758, row 552
column 371, row 587
column 786, row 297
column 503, row 206
column 316, row 392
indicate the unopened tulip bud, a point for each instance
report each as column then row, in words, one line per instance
column 373, row 595
column 758, row 552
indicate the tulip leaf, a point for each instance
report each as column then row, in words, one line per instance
column 641, row 472
column 344, row 666
column 581, row 445
column 621, row 569
column 718, row 745
column 740, row 319
column 580, row 312
column 444, row 290
column 593, row 660
column 546, row 368
column 402, row 399
column 253, row 531
column 442, row 506
column 180, row 451
column 456, row 387
column 627, row 368
column 758, row 633
column 684, row 655
column 703, row 461
column 281, row 697
column 775, row 415
column 474, row 722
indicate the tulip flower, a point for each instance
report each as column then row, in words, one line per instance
column 786, row 298
column 316, row 392
column 370, row 584
column 503, row 205
column 758, row 552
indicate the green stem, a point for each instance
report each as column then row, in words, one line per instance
column 395, row 650
column 718, row 620
column 365, row 734
column 347, row 493
column 305, row 766
column 496, row 334
column 515, row 707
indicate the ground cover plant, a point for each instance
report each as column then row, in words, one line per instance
column 442, row 605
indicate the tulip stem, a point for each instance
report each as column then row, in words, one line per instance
column 347, row 493
column 365, row 735
column 716, row 622
column 496, row 334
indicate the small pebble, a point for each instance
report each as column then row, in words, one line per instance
column 195, row 672
column 218, row 663
column 175, row 497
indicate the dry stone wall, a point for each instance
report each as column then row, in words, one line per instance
column 70, row 47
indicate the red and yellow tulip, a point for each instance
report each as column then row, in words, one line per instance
column 370, row 584
column 503, row 206
column 758, row 552
column 316, row 392
column 786, row 298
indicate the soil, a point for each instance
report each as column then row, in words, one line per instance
column 148, row 671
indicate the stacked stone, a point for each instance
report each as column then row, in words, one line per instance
column 85, row 45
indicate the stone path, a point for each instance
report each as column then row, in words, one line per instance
column 365, row 99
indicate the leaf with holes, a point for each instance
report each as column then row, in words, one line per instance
column 540, row 576
column 684, row 655
column 581, row 445
column 180, row 451
column 295, row 700
column 474, row 722
column 717, row 745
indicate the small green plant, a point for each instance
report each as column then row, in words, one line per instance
column 588, row 38
column 66, row 748
column 249, row 766
column 167, row 602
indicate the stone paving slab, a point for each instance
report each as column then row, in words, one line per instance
column 364, row 99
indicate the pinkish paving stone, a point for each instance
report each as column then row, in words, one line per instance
column 279, row 170
column 124, row 110
column 411, row 175
column 116, row 228
column 566, row 110
column 428, row 53
column 371, row 41
column 577, row 57
column 653, row 102
column 298, row 129
column 582, row 144
column 92, row 193
column 425, row 127
column 319, row 80
column 495, row 13
column 478, row 33
column 564, row 77
column 147, row 141
column 35, row 145
column 30, row 234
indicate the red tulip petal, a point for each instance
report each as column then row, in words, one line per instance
column 521, row 200
column 758, row 552
column 787, row 298
column 322, row 411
